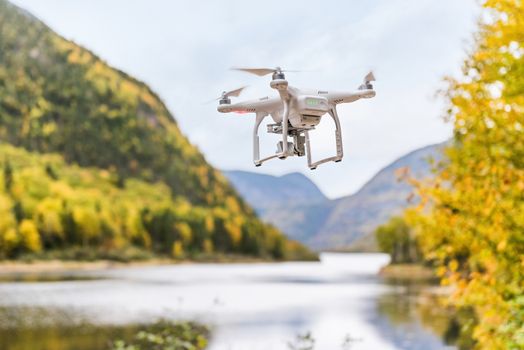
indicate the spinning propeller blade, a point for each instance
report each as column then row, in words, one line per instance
column 263, row 71
column 234, row 93
column 257, row 71
column 226, row 94
column 369, row 77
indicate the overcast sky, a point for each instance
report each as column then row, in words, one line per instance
column 183, row 50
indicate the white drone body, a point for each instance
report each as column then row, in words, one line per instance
column 295, row 113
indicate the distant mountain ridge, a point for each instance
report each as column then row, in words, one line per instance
column 267, row 190
column 346, row 222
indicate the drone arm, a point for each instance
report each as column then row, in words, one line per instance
column 349, row 96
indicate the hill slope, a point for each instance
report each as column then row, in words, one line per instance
column 348, row 221
column 268, row 191
column 356, row 216
column 57, row 97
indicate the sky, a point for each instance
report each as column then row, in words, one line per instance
column 184, row 51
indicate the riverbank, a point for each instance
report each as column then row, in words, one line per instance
column 414, row 272
column 56, row 266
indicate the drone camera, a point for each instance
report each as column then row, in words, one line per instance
column 280, row 149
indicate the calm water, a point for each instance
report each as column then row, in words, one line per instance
column 249, row 306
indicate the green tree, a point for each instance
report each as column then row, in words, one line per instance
column 8, row 176
column 397, row 239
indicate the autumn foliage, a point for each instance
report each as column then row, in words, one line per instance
column 91, row 157
column 470, row 222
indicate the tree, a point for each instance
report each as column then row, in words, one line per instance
column 8, row 176
column 29, row 236
column 471, row 218
column 397, row 239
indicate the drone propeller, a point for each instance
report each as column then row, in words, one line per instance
column 367, row 81
column 234, row 93
column 369, row 77
column 263, row 71
column 226, row 94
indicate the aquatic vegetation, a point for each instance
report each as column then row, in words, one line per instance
column 166, row 335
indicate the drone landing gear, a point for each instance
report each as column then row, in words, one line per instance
column 288, row 149
column 338, row 139
column 283, row 150
column 256, row 142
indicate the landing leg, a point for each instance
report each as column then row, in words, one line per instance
column 338, row 140
column 285, row 118
column 256, row 141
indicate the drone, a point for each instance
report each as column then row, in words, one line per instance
column 295, row 112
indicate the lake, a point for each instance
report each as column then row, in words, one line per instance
column 249, row 306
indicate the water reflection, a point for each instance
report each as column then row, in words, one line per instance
column 250, row 306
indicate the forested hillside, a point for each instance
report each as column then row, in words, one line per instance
column 56, row 96
column 146, row 185
column 46, row 204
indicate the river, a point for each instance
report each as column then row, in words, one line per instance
column 249, row 306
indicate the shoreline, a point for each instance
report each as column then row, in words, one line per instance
column 10, row 268
column 13, row 267
column 413, row 272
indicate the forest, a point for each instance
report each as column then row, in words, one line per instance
column 92, row 158
column 48, row 205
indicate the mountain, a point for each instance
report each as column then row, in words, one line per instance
column 291, row 202
column 61, row 99
column 346, row 222
column 267, row 191
column 355, row 217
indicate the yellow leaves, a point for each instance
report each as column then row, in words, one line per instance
column 184, row 232
column 49, row 128
column 47, row 217
column 86, row 222
column 149, row 99
column 207, row 246
column 232, row 204
column 9, row 240
column 453, row 265
column 475, row 226
column 29, row 236
column 177, row 250
column 502, row 245
column 441, row 271
column 78, row 55
column 234, row 230
column 209, row 224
